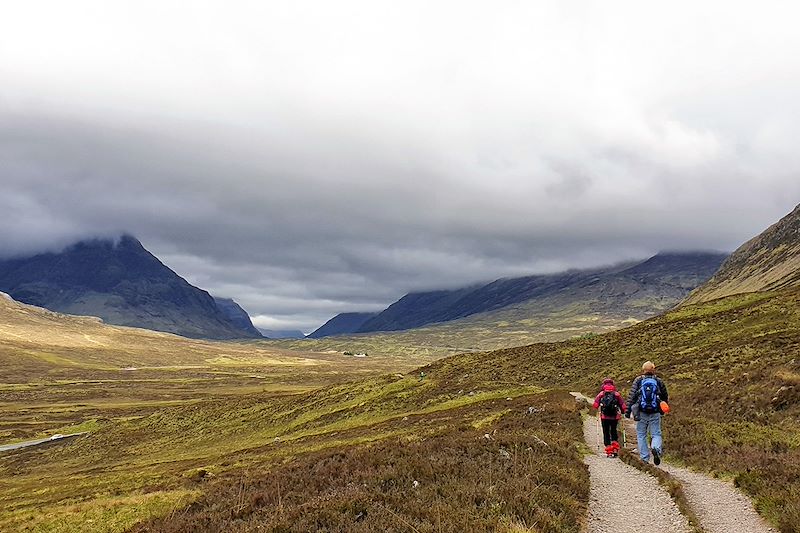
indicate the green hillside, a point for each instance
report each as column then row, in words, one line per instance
column 60, row 371
column 732, row 367
column 769, row 261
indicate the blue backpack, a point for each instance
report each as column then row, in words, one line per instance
column 648, row 395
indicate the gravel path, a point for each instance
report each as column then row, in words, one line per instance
column 719, row 506
column 623, row 499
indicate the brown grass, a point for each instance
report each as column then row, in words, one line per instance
column 521, row 469
column 731, row 365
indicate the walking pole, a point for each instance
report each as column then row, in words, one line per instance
column 597, row 427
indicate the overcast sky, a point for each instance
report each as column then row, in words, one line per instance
column 309, row 158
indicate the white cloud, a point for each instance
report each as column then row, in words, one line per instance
column 324, row 157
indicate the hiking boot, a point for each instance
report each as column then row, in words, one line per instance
column 656, row 457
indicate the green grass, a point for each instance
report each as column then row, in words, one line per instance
column 733, row 368
column 464, row 481
column 164, row 450
column 54, row 379
column 725, row 363
column 72, row 394
column 103, row 515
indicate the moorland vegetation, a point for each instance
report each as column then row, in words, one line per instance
column 258, row 460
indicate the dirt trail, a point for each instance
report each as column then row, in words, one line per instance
column 623, row 499
column 719, row 506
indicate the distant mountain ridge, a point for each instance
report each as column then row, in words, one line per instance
column 769, row 261
column 341, row 324
column 123, row 284
column 237, row 316
column 664, row 279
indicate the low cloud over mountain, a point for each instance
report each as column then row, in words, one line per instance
column 311, row 161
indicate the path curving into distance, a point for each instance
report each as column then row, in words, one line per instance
column 719, row 505
column 623, row 499
column 615, row 506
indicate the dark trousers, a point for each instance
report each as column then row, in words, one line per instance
column 609, row 431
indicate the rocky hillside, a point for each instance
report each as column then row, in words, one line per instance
column 120, row 282
column 769, row 261
column 341, row 324
column 656, row 285
column 237, row 316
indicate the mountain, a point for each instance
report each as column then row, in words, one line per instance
column 35, row 341
column 237, row 316
column 563, row 306
column 282, row 333
column 120, row 282
column 769, row 261
column 660, row 282
column 341, row 324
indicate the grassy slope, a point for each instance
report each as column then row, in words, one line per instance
column 402, row 427
column 57, row 371
column 769, row 261
column 35, row 341
column 732, row 367
column 480, row 466
column 513, row 326
column 160, row 426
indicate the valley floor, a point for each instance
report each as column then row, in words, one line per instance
column 479, row 441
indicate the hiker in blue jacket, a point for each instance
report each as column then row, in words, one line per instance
column 644, row 401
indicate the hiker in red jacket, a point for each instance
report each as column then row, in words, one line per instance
column 611, row 406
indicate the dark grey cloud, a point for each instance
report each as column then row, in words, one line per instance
column 311, row 158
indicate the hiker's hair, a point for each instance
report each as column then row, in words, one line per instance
column 648, row 366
